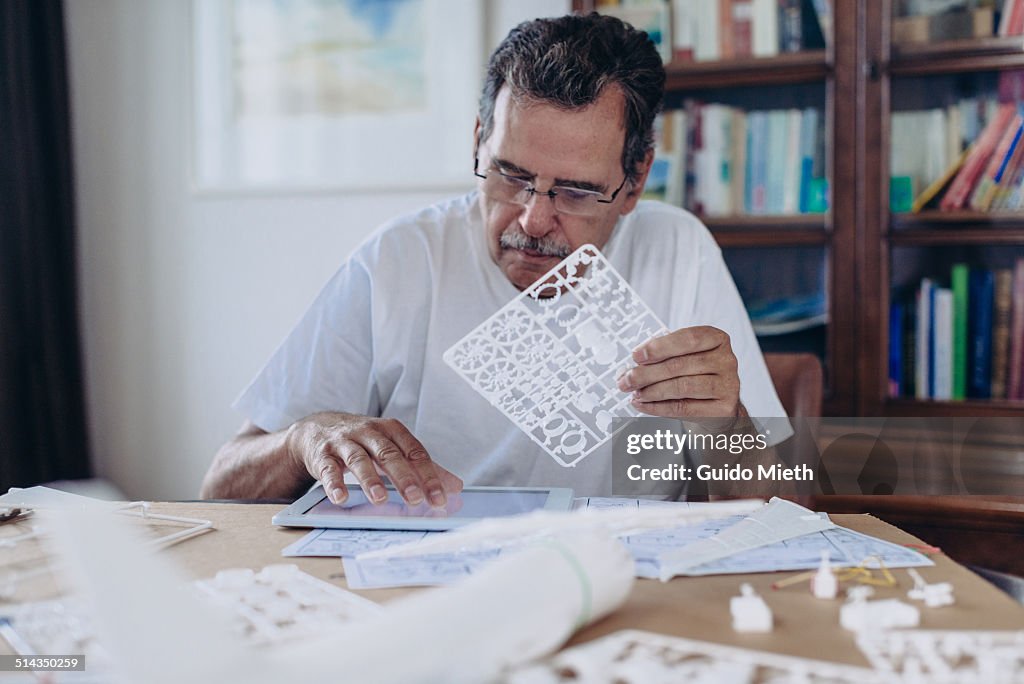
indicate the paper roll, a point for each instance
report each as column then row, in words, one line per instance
column 520, row 607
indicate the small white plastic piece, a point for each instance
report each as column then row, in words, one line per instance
column 824, row 584
column 749, row 611
column 859, row 614
column 933, row 595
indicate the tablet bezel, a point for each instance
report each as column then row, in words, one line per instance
column 294, row 515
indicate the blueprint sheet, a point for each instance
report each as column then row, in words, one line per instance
column 803, row 552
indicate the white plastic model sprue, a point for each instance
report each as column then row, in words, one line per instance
column 933, row 595
column 550, row 358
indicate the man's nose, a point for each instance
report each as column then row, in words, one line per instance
column 538, row 217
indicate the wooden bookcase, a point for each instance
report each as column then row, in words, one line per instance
column 931, row 239
column 857, row 74
column 754, row 246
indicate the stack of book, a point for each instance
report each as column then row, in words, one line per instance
column 964, row 341
column 969, row 156
column 717, row 160
column 708, row 30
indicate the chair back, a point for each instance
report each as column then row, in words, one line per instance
column 799, row 382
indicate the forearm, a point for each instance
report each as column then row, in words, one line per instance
column 255, row 465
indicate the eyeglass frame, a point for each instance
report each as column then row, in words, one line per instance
column 550, row 193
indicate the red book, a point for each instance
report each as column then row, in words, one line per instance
column 742, row 28
column 982, row 149
column 1015, row 376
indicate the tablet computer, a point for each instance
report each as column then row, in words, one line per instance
column 470, row 505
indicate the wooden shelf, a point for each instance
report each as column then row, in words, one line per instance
column 957, row 228
column 797, row 67
column 958, row 56
column 954, row 409
column 766, row 231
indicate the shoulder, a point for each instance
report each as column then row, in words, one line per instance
column 655, row 232
column 422, row 232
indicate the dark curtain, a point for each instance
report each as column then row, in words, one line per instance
column 42, row 417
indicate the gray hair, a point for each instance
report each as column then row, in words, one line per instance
column 568, row 61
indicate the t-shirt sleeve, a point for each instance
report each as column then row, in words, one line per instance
column 719, row 304
column 325, row 363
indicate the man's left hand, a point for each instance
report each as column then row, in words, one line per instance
column 688, row 373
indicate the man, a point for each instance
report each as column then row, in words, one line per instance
column 563, row 147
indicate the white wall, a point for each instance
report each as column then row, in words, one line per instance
column 183, row 297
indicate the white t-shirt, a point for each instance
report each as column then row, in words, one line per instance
column 372, row 341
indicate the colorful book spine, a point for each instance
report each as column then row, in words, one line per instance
column 923, row 334
column 1015, row 372
column 1001, row 331
column 896, row 349
column 959, row 282
column 979, row 332
column 942, row 344
column 960, row 190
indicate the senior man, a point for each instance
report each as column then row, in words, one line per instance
column 563, row 144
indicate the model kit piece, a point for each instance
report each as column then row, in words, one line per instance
column 933, row 595
column 859, row 614
column 749, row 611
column 824, row 584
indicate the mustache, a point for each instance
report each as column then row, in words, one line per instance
column 516, row 239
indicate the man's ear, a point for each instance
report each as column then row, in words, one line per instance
column 636, row 189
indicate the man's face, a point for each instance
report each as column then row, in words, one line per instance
column 547, row 147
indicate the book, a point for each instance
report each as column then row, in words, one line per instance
column 984, row 191
column 683, row 30
column 959, row 284
column 923, row 335
column 1001, row 311
column 960, row 190
column 979, row 334
column 895, row 349
column 1015, row 363
column 933, row 190
column 706, row 45
column 764, row 28
column 790, row 26
column 942, row 344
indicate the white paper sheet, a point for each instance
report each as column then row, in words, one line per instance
column 778, row 521
column 348, row 543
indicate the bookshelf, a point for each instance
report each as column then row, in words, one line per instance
column 791, row 254
column 896, row 249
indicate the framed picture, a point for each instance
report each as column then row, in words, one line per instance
column 335, row 94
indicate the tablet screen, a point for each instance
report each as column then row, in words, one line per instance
column 467, row 504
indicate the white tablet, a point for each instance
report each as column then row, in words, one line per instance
column 470, row 505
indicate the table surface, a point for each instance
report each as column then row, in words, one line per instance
column 693, row 607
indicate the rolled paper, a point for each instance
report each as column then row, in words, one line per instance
column 522, row 606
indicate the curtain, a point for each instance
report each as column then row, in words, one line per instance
column 42, row 415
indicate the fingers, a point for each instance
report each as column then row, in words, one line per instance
column 417, row 474
column 359, row 462
column 327, row 468
column 690, row 372
column 680, row 342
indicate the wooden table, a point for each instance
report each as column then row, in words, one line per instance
column 693, row 607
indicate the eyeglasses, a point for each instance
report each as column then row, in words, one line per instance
column 567, row 200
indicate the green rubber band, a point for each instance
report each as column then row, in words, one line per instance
column 586, row 589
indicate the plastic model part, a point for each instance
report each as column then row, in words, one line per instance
column 637, row 657
column 945, row 657
column 824, row 584
column 861, row 615
column 192, row 526
column 749, row 611
column 282, row 603
column 933, row 595
column 549, row 360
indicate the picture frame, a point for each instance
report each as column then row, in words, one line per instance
column 348, row 95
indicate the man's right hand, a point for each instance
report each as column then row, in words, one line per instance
column 329, row 444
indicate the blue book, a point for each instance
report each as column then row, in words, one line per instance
column 979, row 334
column 895, row 349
